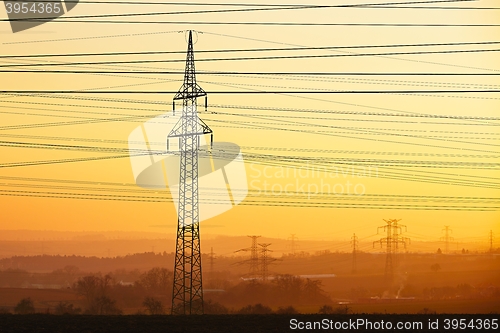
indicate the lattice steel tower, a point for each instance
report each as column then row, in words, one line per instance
column 392, row 240
column 490, row 238
column 254, row 257
column 187, row 296
column 265, row 260
column 389, row 268
column 447, row 238
column 355, row 243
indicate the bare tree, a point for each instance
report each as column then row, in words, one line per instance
column 158, row 280
column 154, row 306
column 66, row 308
column 95, row 289
column 25, row 306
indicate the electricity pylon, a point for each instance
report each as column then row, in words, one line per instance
column 254, row 257
column 447, row 237
column 491, row 240
column 187, row 295
column 391, row 242
column 212, row 258
column 293, row 244
column 354, row 242
column 265, row 260
column 398, row 239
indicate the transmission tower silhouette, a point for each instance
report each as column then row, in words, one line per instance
column 212, row 258
column 354, row 242
column 254, row 257
column 293, row 239
column 447, row 238
column 392, row 240
column 187, row 295
column 265, row 260
column 490, row 238
column 398, row 239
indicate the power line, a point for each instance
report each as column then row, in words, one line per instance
column 268, row 23
column 248, row 50
column 146, row 92
column 70, row 18
column 159, row 72
column 179, row 3
column 273, row 8
column 248, row 107
column 272, row 203
column 360, row 138
column 291, row 196
column 295, row 45
column 250, row 58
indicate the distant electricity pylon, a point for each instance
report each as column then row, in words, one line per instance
column 293, row 239
column 265, row 260
column 391, row 241
column 490, row 238
column 254, row 257
column 398, row 239
column 447, row 238
column 187, row 295
column 212, row 258
column 354, row 242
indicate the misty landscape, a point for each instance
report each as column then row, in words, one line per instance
column 262, row 166
column 305, row 282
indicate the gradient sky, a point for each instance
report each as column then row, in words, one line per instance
column 451, row 150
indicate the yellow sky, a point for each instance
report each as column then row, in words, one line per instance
column 333, row 136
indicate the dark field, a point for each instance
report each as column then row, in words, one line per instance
column 219, row 323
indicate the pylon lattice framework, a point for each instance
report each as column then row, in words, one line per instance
column 447, row 238
column 265, row 260
column 355, row 243
column 254, row 257
column 187, row 295
column 392, row 242
column 293, row 244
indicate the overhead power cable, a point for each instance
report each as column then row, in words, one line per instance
column 201, row 73
column 237, row 4
column 70, row 195
column 246, row 92
column 268, row 8
column 248, row 58
column 248, row 50
column 318, row 24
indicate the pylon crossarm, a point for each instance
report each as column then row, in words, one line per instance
column 185, row 93
column 201, row 129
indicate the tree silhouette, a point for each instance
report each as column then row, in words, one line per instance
column 211, row 307
column 95, row 289
column 25, row 306
column 256, row 309
column 435, row 267
column 325, row 309
column 286, row 310
column 104, row 306
column 66, row 308
column 153, row 306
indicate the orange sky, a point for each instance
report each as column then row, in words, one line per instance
column 356, row 138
